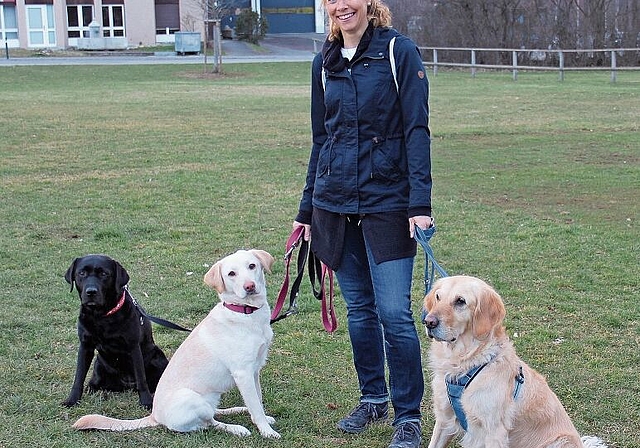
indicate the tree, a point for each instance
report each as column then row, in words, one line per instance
column 534, row 24
column 251, row 26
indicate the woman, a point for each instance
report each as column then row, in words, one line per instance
column 368, row 185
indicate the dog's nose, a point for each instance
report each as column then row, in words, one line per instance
column 90, row 291
column 430, row 321
column 250, row 287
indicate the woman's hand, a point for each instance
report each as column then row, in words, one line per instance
column 424, row 222
column 307, row 229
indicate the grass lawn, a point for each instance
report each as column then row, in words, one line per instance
column 536, row 190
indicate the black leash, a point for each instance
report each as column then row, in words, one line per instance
column 324, row 274
column 157, row 320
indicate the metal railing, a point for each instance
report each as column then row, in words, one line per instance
column 557, row 58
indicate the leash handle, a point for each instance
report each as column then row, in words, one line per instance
column 423, row 237
column 316, row 268
column 295, row 239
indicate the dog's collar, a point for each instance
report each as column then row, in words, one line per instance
column 244, row 309
column 118, row 305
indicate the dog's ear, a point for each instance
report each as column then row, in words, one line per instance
column 430, row 298
column 70, row 275
column 122, row 276
column 266, row 260
column 489, row 313
column 214, row 279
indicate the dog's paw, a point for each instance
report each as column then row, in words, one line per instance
column 146, row 402
column 71, row 400
column 238, row 430
column 269, row 433
column 270, row 419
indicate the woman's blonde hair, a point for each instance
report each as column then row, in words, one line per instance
column 377, row 13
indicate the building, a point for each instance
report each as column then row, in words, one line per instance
column 58, row 24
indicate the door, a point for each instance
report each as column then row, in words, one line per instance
column 41, row 30
column 289, row 16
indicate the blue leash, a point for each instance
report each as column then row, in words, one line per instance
column 423, row 237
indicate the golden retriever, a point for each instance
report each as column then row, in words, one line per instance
column 505, row 403
column 228, row 348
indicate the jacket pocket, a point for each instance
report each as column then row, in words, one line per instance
column 386, row 159
column 325, row 158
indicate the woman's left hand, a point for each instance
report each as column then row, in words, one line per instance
column 424, row 222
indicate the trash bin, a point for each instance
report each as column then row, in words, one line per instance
column 187, row 42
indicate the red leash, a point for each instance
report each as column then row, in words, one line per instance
column 295, row 240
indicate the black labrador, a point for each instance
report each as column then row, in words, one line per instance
column 111, row 324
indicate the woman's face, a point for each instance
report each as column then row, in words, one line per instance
column 349, row 15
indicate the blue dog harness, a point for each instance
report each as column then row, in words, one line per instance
column 457, row 384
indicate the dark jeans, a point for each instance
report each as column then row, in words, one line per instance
column 378, row 299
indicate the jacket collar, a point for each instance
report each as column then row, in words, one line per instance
column 374, row 41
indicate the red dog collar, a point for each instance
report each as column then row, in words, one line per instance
column 244, row 309
column 117, row 307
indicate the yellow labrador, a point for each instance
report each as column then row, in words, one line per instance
column 228, row 348
column 482, row 390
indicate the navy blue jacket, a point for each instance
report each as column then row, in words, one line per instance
column 371, row 143
column 371, row 147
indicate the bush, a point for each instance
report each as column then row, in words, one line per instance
column 250, row 26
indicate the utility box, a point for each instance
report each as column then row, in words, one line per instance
column 94, row 29
column 187, row 42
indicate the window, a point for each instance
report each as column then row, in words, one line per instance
column 8, row 23
column 167, row 17
column 113, row 20
column 78, row 19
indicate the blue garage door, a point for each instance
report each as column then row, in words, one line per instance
column 289, row 16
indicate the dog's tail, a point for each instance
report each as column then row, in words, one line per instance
column 95, row 421
column 592, row 442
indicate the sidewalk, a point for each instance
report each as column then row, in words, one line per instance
column 276, row 45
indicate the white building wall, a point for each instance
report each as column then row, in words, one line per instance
column 192, row 16
column 320, row 17
column 140, row 22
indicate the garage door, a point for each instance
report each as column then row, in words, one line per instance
column 289, row 16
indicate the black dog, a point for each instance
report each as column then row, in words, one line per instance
column 111, row 323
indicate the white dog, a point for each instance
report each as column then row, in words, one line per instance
column 229, row 347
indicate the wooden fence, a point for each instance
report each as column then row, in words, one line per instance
column 549, row 59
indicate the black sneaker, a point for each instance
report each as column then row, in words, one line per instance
column 363, row 415
column 406, row 435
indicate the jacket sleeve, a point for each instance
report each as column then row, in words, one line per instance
column 413, row 92
column 319, row 136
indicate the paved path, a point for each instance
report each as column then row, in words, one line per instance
column 273, row 48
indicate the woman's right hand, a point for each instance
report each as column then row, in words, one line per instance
column 307, row 229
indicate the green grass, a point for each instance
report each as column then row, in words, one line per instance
column 536, row 187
